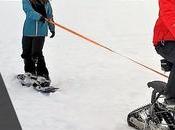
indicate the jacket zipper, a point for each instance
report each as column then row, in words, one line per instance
column 36, row 28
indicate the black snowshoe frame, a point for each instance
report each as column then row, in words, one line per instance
column 156, row 115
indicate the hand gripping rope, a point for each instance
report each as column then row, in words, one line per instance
column 102, row 46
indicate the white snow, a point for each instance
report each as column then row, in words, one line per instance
column 97, row 88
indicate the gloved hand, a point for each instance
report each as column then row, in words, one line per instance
column 42, row 19
column 53, row 34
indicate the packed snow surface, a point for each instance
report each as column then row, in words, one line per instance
column 97, row 88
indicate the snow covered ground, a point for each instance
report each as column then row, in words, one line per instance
column 97, row 88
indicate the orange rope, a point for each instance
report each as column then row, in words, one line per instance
column 98, row 44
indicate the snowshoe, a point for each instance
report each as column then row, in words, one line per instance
column 156, row 115
column 39, row 83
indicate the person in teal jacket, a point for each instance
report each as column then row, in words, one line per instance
column 34, row 32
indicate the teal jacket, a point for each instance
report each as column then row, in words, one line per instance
column 32, row 25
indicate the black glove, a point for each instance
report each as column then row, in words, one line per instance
column 42, row 19
column 53, row 34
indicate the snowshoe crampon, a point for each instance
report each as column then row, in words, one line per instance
column 156, row 115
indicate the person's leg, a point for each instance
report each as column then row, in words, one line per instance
column 29, row 65
column 37, row 46
column 168, row 52
column 171, row 83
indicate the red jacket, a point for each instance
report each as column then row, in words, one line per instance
column 165, row 26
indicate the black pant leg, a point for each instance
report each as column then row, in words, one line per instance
column 37, row 54
column 171, row 83
column 29, row 65
column 37, row 46
column 168, row 52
